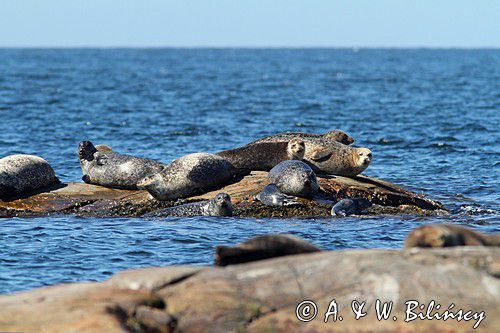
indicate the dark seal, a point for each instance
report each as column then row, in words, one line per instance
column 262, row 247
column 335, row 135
column 354, row 206
column 294, row 178
column 272, row 196
column 110, row 169
column 263, row 156
column 218, row 206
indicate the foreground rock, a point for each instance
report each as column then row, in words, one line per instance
column 263, row 296
column 86, row 199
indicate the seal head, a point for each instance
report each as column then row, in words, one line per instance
column 346, row 207
column 294, row 178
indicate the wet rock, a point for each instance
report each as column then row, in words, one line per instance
column 92, row 200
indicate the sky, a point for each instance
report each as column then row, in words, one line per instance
column 250, row 23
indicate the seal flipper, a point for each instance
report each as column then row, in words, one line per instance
column 320, row 155
column 86, row 179
column 101, row 160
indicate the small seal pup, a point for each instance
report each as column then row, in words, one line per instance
column 446, row 235
column 271, row 196
column 354, row 206
column 336, row 159
column 110, row 169
column 335, row 135
column 262, row 247
column 20, row 174
column 218, row 206
column 265, row 155
column 294, row 178
column 189, row 175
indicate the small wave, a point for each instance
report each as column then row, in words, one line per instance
column 476, row 210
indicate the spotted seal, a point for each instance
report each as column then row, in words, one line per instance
column 294, row 178
column 262, row 247
column 335, row 135
column 446, row 235
column 335, row 158
column 271, row 196
column 189, row 175
column 265, row 155
column 354, row 206
column 218, row 206
column 110, row 169
column 21, row 174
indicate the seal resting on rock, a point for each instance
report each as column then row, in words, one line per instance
column 272, row 196
column 354, row 206
column 189, row 175
column 110, row 169
column 335, row 135
column 262, row 247
column 21, row 174
column 265, row 155
column 446, row 235
column 335, row 158
column 294, row 178
column 218, row 206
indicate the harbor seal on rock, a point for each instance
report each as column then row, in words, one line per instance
column 189, row 175
column 20, row 174
column 346, row 207
column 446, row 235
column 218, row 206
column 264, row 156
column 262, row 247
column 109, row 169
column 271, row 196
column 336, row 159
column 294, row 178
column 335, row 135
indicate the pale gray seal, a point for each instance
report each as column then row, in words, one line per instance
column 335, row 135
column 218, row 206
column 189, row 175
column 446, row 235
column 335, row 158
column 265, row 155
column 262, row 247
column 294, row 178
column 354, row 206
column 110, row 169
column 272, row 196
column 21, row 174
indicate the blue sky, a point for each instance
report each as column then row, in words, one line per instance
column 233, row 23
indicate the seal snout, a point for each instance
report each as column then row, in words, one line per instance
column 223, row 199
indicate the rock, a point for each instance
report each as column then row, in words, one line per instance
column 86, row 199
column 263, row 296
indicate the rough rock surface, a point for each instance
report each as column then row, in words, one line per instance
column 86, row 199
column 262, row 296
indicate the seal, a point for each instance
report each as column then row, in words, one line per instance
column 294, row 178
column 218, row 206
column 22, row 174
column 265, row 155
column 335, row 135
column 189, row 175
column 262, row 247
column 354, row 206
column 110, row 169
column 271, row 196
column 329, row 157
column 447, row 235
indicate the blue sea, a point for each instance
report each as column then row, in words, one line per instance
column 431, row 118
